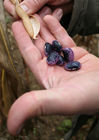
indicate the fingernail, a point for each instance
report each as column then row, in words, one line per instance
column 46, row 10
column 24, row 7
column 19, row 130
column 59, row 13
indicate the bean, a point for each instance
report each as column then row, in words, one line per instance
column 48, row 49
column 72, row 66
column 61, row 61
column 68, row 54
column 53, row 58
column 56, row 46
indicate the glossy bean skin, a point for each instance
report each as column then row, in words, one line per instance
column 53, row 58
column 48, row 49
column 57, row 55
column 72, row 66
column 68, row 54
column 56, row 46
column 61, row 61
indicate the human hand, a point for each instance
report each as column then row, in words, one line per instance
column 66, row 92
column 32, row 6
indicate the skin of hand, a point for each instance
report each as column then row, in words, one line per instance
column 65, row 92
column 33, row 6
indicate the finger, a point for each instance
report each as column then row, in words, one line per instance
column 44, row 32
column 45, row 35
column 45, row 11
column 58, row 31
column 79, row 53
column 32, row 6
column 45, row 102
column 58, row 13
column 39, row 42
column 10, row 7
column 67, row 8
column 28, row 50
column 58, row 2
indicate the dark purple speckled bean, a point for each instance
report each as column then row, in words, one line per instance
column 61, row 61
column 48, row 49
column 56, row 46
column 53, row 58
column 68, row 54
column 72, row 66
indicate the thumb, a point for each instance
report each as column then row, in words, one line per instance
column 32, row 6
column 35, row 103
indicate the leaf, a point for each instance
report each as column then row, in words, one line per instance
column 60, row 128
column 66, row 123
column 7, row 19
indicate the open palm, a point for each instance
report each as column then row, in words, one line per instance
column 66, row 92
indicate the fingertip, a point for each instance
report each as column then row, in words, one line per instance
column 45, row 11
column 18, row 114
column 58, row 13
column 48, row 17
column 24, row 107
column 16, row 26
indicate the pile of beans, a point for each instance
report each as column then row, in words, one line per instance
column 57, row 55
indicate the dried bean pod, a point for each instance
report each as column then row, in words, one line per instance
column 19, row 1
column 35, row 25
column 31, row 25
column 15, row 1
column 26, row 21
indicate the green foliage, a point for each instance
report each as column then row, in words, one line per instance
column 7, row 19
column 65, row 125
column 34, row 131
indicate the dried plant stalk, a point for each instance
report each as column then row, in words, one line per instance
column 6, row 48
column 8, row 91
column 9, row 78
